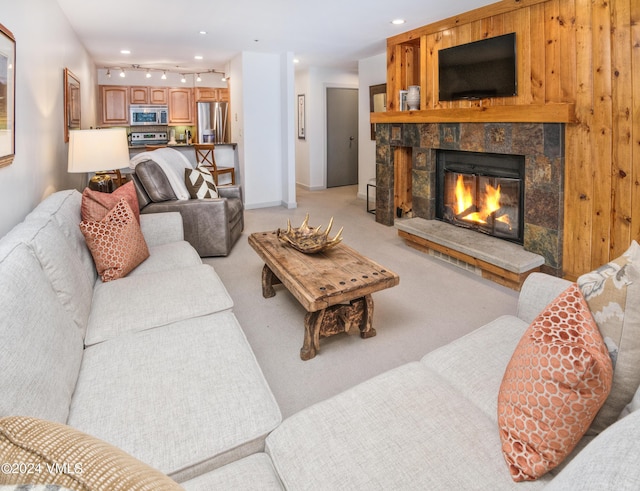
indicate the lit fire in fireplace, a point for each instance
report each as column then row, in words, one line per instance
column 467, row 210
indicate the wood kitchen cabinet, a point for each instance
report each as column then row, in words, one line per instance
column 114, row 101
column 211, row 94
column 148, row 95
column 181, row 106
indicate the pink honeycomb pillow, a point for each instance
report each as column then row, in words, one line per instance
column 116, row 242
column 558, row 378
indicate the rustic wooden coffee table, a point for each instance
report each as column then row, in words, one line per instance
column 334, row 286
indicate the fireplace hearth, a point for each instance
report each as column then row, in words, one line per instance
column 481, row 191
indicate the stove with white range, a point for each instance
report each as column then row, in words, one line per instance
column 149, row 138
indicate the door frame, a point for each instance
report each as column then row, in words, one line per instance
column 325, row 120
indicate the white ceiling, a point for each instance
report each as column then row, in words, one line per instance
column 164, row 34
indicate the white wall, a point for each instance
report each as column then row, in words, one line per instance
column 261, row 115
column 311, row 153
column 45, row 45
column 371, row 71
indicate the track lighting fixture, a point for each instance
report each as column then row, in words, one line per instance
column 149, row 72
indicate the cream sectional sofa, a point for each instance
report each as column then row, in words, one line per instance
column 157, row 365
column 154, row 363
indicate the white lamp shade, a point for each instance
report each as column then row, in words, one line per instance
column 98, row 150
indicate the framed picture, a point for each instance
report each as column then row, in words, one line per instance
column 377, row 103
column 71, row 103
column 301, row 116
column 7, row 96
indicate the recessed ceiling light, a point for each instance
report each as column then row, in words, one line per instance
column 398, row 22
column 125, row 51
column 203, row 32
column 296, row 60
column 197, row 57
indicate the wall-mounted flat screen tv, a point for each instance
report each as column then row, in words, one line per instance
column 478, row 70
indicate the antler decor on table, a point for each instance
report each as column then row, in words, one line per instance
column 309, row 239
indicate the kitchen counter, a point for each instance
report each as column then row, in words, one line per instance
column 226, row 154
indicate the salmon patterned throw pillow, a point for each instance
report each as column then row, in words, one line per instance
column 95, row 205
column 558, row 378
column 116, row 242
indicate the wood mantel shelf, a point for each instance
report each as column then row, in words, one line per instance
column 540, row 113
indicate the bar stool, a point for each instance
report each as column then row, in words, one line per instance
column 204, row 156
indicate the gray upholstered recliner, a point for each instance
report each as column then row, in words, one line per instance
column 211, row 225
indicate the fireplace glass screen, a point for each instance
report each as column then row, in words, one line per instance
column 474, row 193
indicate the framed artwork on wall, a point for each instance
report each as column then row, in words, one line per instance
column 71, row 103
column 301, row 117
column 7, row 96
column 377, row 103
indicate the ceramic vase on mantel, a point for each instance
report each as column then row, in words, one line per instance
column 413, row 97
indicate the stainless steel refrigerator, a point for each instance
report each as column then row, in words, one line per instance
column 213, row 122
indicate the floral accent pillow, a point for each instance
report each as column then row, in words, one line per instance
column 613, row 295
column 95, row 205
column 200, row 183
column 556, row 381
column 116, row 242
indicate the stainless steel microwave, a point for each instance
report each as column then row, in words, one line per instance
column 145, row 115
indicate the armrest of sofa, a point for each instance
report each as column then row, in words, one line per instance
column 230, row 192
column 205, row 222
column 537, row 291
column 162, row 228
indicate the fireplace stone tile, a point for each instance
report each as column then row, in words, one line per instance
column 497, row 138
column 472, row 137
column 421, row 183
column 382, row 134
column 429, row 135
column 543, row 206
column 545, row 242
column 421, row 158
column 410, row 135
column 554, row 140
column 383, row 154
column 384, row 213
column 449, row 136
column 424, row 207
column 527, row 139
column 384, row 177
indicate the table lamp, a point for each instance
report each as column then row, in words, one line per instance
column 101, row 151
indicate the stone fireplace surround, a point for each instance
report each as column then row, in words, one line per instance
column 542, row 144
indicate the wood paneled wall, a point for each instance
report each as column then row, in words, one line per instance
column 582, row 52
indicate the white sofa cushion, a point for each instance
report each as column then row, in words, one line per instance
column 475, row 363
column 610, row 461
column 184, row 398
column 252, row 473
column 65, row 271
column 141, row 302
column 64, row 208
column 405, row 429
column 41, row 345
column 165, row 257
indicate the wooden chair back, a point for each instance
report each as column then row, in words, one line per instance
column 205, row 156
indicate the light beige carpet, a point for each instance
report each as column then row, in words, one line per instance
column 434, row 303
